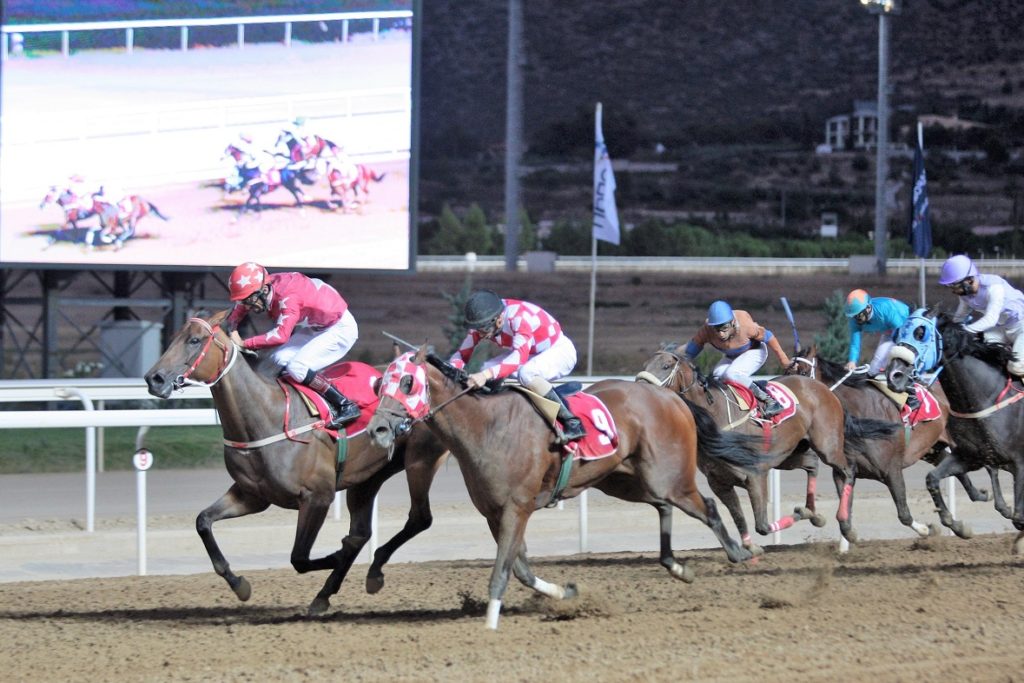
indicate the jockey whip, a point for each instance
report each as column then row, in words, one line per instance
column 789, row 315
column 399, row 340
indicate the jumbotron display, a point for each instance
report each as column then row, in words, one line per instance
column 201, row 142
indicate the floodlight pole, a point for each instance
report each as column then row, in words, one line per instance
column 883, row 8
column 513, row 131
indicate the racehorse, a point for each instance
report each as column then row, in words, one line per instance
column 819, row 424
column 987, row 420
column 308, row 150
column 246, row 168
column 117, row 221
column 268, row 181
column 885, row 459
column 75, row 209
column 349, row 178
column 298, row 471
column 511, row 459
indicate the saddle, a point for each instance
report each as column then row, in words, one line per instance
column 357, row 381
column 927, row 411
column 745, row 400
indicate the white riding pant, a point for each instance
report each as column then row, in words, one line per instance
column 538, row 372
column 740, row 368
column 308, row 350
column 881, row 357
column 1010, row 335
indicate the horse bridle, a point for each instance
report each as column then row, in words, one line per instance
column 228, row 359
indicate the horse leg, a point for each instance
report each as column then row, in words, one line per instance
column 727, row 494
column 521, row 568
column 419, row 475
column 997, row 492
column 312, row 513
column 979, row 495
column 844, row 488
column 809, row 511
column 234, row 503
column 1018, row 497
column 667, row 559
column 897, row 486
column 688, row 499
column 508, row 531
column 950, row 465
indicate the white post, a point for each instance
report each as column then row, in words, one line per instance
column 142, row 460
column 593, row 294
column 775, row 495
column 584, row 545
column 90, row 458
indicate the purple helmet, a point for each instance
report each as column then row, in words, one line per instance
column 956, row 268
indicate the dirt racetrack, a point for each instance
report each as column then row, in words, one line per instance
column 938, row 609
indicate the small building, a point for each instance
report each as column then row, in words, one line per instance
column 829, row 224
column 856, row 130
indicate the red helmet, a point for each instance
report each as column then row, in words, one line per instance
column 246, row 279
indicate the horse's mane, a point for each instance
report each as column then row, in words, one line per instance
column 960, row 343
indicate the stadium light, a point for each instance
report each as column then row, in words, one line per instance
column 883, row 8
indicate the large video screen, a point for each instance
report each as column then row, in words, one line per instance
column 193, row 141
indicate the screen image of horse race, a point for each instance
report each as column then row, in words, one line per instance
column 294, row 155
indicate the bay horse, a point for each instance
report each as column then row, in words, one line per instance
column 819, row 426
column 511, row 458
column 884, row 460
column 75, row 207
column 305, row 152
column 118, row 221
column 300, row 472
column 987, row 415
column 351, row 179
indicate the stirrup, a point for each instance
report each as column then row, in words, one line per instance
column 770, row 410
column 570, row 434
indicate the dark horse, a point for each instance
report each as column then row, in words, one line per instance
column 300, row 472
column 511, row 459
column 268, row 181
column 885, row 459
column 987, row 415
column 819, row 425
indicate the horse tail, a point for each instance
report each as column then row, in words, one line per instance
column 155, row 211
column 857, row 431
column 377, row 177
column 742, row 450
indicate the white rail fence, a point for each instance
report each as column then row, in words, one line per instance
column 13, row 34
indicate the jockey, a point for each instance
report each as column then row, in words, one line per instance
column 539, row 351
column 996, row 307
column 313, row 328
column 744, row 345
column 879, row 314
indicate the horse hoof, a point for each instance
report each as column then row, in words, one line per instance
column 850, row 535
column 242, row 589
column 962, row 530
column 571, row 591
column 934, row 529
column 318, row 606
column 683, row 572
column 818, row 520
column 1018, row 545
column 755, row 549
column 374, row 583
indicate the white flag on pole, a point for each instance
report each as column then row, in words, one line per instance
column 606, row 216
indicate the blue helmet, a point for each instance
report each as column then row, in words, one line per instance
column 720, row 313
column 856, row 301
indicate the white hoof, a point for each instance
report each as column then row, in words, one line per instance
column 549, row 589
column 921, row 529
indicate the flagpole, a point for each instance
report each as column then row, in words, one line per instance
column 593, row 294
column 921, row 278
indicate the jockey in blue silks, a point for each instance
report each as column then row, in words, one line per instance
column 879, row 314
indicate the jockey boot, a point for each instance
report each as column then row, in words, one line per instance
column 572, row 427
column 345, row 411
column 769, row 406
column 913, row 402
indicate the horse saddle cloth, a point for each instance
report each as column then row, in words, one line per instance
column 602, row 437
column 357, row 381
column 780, row 392
column 929, row 409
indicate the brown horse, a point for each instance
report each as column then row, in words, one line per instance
column 511, row 459
column 819, row 425
column 300, row 471
column 885, row 459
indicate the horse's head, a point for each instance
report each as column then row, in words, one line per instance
column 404, row 397
column 917, row 349
column 668, row 367
column 200, row 353
column 234, row 153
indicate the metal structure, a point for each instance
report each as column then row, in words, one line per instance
column 883, row 8
column 513, row 131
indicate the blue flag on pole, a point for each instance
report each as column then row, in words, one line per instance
column 920, row 232
column 606, row 216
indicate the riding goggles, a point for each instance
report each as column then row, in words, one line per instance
column 961, row 288
column 863, row 316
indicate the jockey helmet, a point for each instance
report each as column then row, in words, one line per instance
column 299, row 121
column 720, row 313
column 957, row 268
column 246, row 280
column 856, row 302
column 482, row 308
